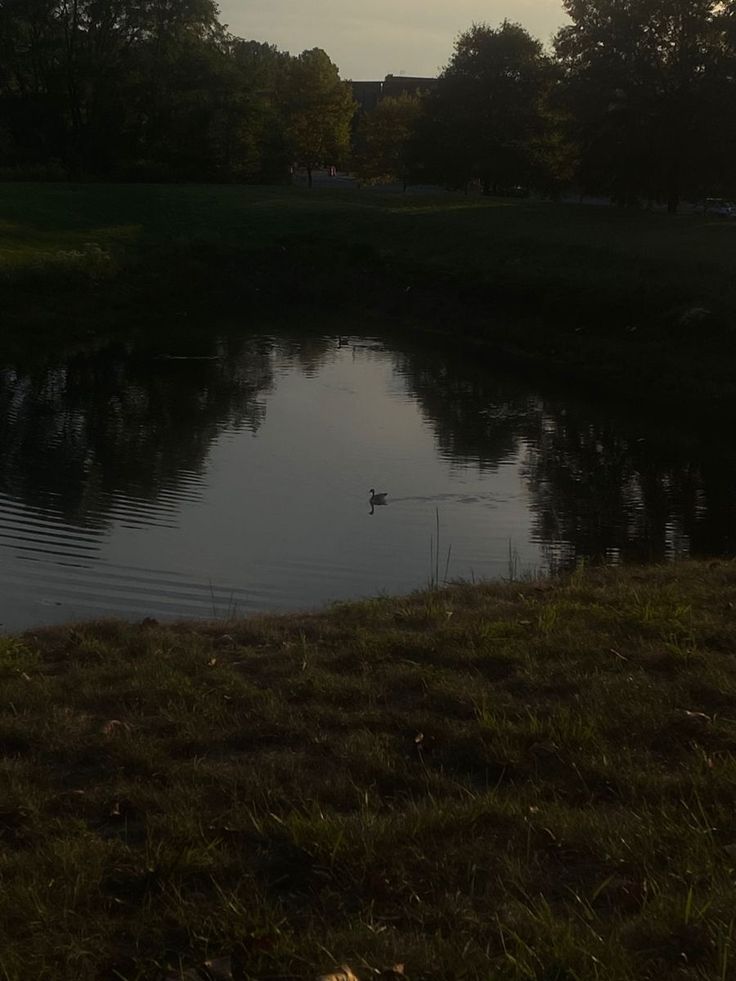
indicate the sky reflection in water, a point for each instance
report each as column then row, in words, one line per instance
column 137, row 483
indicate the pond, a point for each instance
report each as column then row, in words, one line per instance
column 233, row 476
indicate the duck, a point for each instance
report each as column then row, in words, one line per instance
column 378, row 498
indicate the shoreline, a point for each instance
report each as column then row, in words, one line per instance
column 560, row 290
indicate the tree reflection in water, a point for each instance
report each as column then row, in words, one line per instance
column 78, row 435
column 478, row 420
column 599, row 488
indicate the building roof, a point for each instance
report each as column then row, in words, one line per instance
column 368, row 94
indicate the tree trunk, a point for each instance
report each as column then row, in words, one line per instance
column 71, row 43
column 309, row 176
column 673, row 187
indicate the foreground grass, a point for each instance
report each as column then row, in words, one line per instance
column 634, row 300
column 521, row 781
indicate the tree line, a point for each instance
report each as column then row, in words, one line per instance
column 635, row 100
column 158, row 90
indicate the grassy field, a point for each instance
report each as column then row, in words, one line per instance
column 631, row 300
column 514, row 781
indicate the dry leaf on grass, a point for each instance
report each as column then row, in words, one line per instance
column 113, row 726
column 344, row 974
column 219, row 969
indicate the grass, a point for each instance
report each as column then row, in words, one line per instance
column 509, row 781
column 636, row 301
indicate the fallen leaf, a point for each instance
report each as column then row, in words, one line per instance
column 344, row 974
column 219, row 969
column 114, row 725
column 395, row 973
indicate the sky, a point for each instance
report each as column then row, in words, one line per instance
column 369, row 39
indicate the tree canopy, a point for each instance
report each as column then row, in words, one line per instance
column 157, row 89
column 318, row 108
column 385, row 140
column 649, row 89
column 487, row 113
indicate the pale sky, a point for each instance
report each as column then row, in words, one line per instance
column 368, row 39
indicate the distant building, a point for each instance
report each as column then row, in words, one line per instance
column 369, row 94
column 395, row 85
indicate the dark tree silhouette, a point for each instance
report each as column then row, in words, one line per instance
column 488, row 117
column 649, row 90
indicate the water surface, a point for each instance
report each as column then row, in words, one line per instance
column 235, row 478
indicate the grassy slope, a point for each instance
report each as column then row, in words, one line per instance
column 521, row 781
column 596, row 290
column 554, row 247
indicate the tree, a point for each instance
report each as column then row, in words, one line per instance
column 93, row 82
column 318, row 108
column 385, row 138
column 648, row 85
column 487, row 112
column 251, row 130
column 32, row 96
column 180, row 83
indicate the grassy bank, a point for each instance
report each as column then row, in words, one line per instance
column 520, row 781
column 634, row 301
